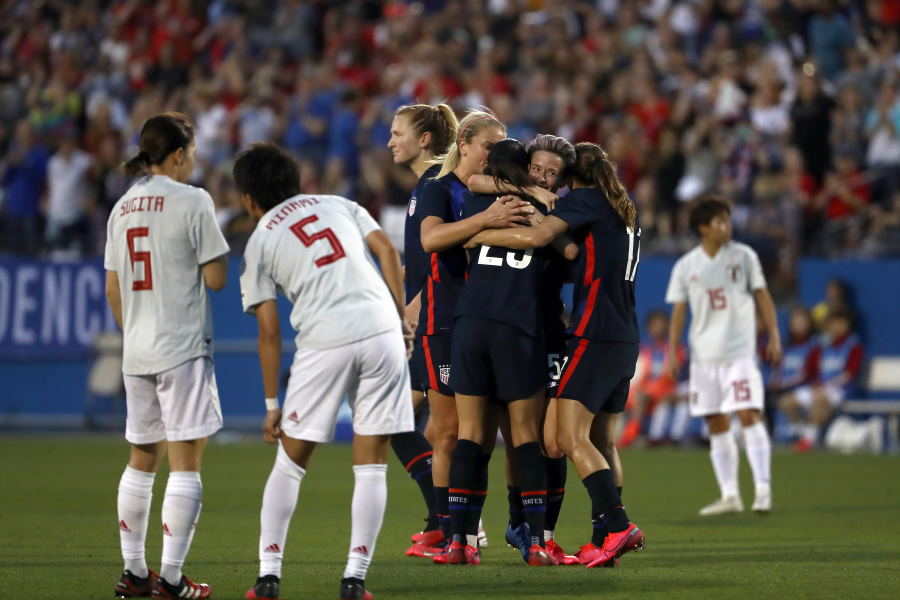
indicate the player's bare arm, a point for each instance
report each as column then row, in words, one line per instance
column 508, row 211
column 391, row 269
column 766, row 306
column 485, row 184
column 522, row 238
column 114, row 296
column 562, row 243
column 215, row 273
column 412, row 311
column 676, row 328
column 269, row 342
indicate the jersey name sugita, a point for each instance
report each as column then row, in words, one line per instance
column 142, row 204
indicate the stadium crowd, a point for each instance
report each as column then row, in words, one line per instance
column 790, row 108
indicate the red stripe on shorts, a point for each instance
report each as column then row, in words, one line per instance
column 588, row 308
column 570, row 368
column 432, row 376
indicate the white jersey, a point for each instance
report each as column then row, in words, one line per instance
column 313, row 249
column 158, row 235
column 719, row 291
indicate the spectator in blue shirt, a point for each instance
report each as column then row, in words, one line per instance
column 24, row 177
column 830, row 35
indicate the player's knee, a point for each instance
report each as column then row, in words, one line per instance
column 445, row 440
column 566, row 441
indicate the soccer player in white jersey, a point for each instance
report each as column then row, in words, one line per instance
column 163, row 250
column 350, row 343
column 723, row 282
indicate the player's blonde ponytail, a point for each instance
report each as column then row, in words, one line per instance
column 594, row 169
column 439, row 121
column 469, row 127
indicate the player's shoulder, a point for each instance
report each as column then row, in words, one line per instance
column 688, row 258
column 740, row 249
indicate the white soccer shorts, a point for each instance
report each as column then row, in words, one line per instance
column 373, row 374
column 725, row 388
column 804, row 395
column 178, row 405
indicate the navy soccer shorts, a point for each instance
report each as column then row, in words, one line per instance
column 496, row 359
column 432, row 359
column 598, row 374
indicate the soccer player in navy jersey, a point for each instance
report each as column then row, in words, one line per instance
column 443, row 231
column 603, row 349
column 498, row 354
column 550, row 160
column 418, row 133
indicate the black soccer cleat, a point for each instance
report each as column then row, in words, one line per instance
column 132, row 586
column 354, row 589
column 265, row 588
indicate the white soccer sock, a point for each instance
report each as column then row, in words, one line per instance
column 369, row 500
column 759, row 452
column 724, row 454
column 680, row 421
column 548, row 534
column 658, row 421
column 135, row 495
column 278, row 503
column 180, row 510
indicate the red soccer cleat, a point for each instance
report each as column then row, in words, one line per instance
column 454, row 554
column 617, row 544
column 427, row 537
column 132, row 586
column 185, row 589
column 265, row 588
column 554, row 550
column 802, row 445
column 473, row 555
column 590, row 552
column 428, row 540
column 539, row 557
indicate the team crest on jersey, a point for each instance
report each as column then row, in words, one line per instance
column 445, row 374
column 734, row 271
column 412, row 206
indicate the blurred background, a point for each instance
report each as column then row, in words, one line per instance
column 789, row 108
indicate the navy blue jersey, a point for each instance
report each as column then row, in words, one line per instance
column 609, row 252
column 556, row 273
column 503, row 284
column 414, row 258
column 442, row 198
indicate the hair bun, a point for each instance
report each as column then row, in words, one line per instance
column 143, row 157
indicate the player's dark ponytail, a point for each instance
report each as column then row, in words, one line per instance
column 594, row 169
column 160, row 136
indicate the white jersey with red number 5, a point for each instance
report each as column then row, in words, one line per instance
column 313, row 249
column 719, row 291
column 158, row 235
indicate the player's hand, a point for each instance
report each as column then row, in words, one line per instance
column 272, row 426
column 673, row 365
column 409, row 337
column 544, row 196
column 507, row 211
column 773, row 350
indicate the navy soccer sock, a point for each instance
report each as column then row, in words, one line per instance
column 415, row 453
column 533, row 480
column 556, row 489
column 605, row 500
column 464, row 468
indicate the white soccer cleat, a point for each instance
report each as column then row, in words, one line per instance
column 723, row 506
column 482, row 535
column 763, row 501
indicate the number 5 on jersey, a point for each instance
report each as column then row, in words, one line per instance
column 139, row 257
column 310, row 239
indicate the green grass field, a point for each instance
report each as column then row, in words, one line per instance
column 835, row 531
